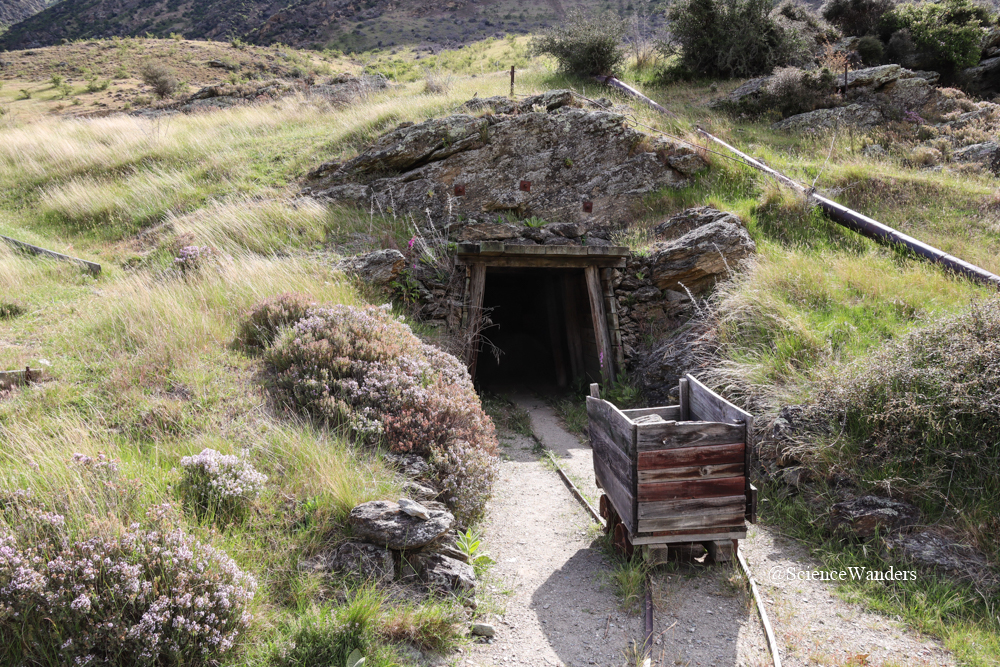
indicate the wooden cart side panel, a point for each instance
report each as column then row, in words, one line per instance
column 680, row 536
column 612, row 437
column 727, row 486
column 691, row 456
column 687, row 434
column 682, row 473
column 711, row 523
column 669, row 508
column 706, row 404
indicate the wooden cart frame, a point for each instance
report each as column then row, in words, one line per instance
column 681, row 480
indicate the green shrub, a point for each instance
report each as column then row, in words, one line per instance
column 10, row 309
column 328, row 636
column 585, row 44
column 269, row 317
column 950, row 32
column 729, row 38
column 160, row 78
column 871, row 50
column 857, row 17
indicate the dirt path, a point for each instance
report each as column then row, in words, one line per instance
column 560, row 607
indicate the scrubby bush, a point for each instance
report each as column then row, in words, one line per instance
column 192, row 257
column 139, row 597
column 10, row 309
column 729, row 38
column 220, row 486
column 857, row 18
column 160, row 78
column 585, row 44
column 950, row 33
column 466, row 475
column 270, row 316
column 871, row 50
column 363, row 370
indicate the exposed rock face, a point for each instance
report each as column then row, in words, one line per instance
column 568, row 153
column 383, row 523
column 361, row 560
column 865, row 515
column 855, row 114
column 936, row 552
column 448, row 575
column 379, row 267
column 696, row 260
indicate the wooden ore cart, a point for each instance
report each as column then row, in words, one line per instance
column 674, row 475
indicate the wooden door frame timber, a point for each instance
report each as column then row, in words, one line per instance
column 596, row 262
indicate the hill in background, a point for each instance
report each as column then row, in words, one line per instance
column 338, row 24
column 14, row 11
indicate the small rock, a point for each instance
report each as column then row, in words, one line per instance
column 420, row 491
column 483, row 630
column 936, row 552
column 414, row 509
column 364, row 561
column 448, row 575
column 382, row 522
column 865, row 515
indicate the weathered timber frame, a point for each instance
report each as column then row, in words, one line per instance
column 597, row 263
column 684, row 479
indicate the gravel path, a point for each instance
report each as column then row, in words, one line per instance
column 560, row 607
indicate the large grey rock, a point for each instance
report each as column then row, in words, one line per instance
column 411, row 465
column 448, row 575
column 874, row 77
column 360, row 560
column 382, row 522
column 696, row 260
column 857, row 115
column 935, row 552
column 568, row 153
column 984, row 78
column 379, row 267
column 988, row 153
column 865, row 515
column 689, row 220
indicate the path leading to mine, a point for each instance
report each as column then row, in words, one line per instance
column 560, row 608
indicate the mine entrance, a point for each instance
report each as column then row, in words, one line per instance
column 539, row 315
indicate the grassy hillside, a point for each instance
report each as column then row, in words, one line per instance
column 140, row 363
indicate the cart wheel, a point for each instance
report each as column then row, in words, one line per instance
column 609, row 515
column 622, row 542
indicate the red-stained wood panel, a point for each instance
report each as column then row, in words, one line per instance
column 691, row 456
column 691, row 472
column 727, row 486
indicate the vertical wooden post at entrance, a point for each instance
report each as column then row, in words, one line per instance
column 596, row 296
column 614, row 332
column 477, row 289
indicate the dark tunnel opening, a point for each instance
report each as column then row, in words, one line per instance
column 540, row 330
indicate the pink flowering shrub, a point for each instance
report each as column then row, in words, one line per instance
column 466, row 476
column 263, row 322
column 220, row 486
column 364, row 370
column 192, row 257
column 141, row 597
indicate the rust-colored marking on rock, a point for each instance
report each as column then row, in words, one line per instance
column 459, row 190
column 588, row 207
column 526, row 186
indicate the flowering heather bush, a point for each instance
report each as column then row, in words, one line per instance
column 220, row 485
column 144, row 597
column 191, row 257
column 365, row 370
column 271, row 315
column 104, row 476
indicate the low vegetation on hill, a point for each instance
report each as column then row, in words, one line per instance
column 202, row 393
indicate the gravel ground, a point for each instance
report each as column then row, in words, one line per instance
column 560, row 608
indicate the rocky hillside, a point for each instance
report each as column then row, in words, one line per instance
column 338, row 24
column 14, row 11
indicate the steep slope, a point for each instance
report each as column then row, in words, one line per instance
column 14, row 11
column 341, row 24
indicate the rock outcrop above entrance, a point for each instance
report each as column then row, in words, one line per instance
column 545, row 157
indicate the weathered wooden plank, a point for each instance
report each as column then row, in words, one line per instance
column 683, row 393
column 720, row 551
column 543, row 261
column 477, row 290
column 727, row 486
column 600, row 322
column 619, row 428
column 691, row 456
column 92, row 267
column 668, row 412
column 680, row 537
column 687, row 434
column 10, row 379
column 691, row 472
column 707, row 522
column 668, row 508
column 595, row 390
column 752, row 509
column 617, row 493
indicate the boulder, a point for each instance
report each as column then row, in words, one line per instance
column 360, row 560
column 938, row 553
column 696, row 260
column 875, row 77
column 988, row 153
column 447, row 575
column 865, row 515
column 984, row 78
column 383, row 522
column 568, row 151
column 411, row 465
column 419, row 491
column 379, row 267
column 857, row 115
column 691, row 219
